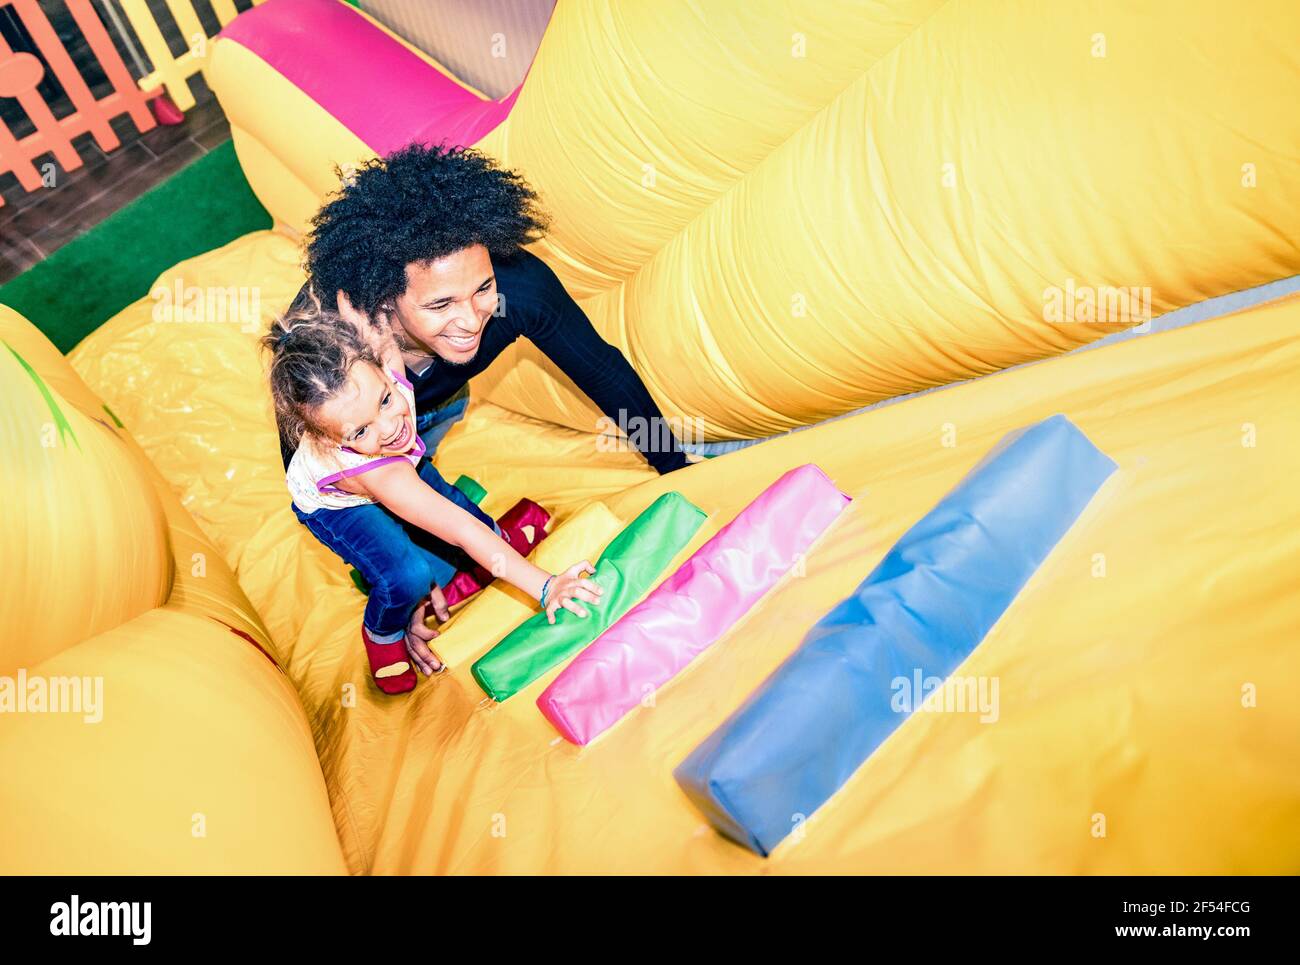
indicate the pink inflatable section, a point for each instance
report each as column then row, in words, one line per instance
column 689, row 611
column 380, row 90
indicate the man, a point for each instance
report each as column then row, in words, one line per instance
column 429, row 243
column 425, row 241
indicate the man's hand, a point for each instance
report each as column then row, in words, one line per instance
column 418, row 636
column 351, row 314
column 374, row 330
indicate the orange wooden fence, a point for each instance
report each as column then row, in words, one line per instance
column 21, row 72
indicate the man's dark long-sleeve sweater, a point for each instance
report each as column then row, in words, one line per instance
column 537, row 307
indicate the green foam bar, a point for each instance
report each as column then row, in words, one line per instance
column 628, row 568
column 471, row 488
column 359, row 581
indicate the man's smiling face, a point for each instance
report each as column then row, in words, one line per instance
column 447, row 304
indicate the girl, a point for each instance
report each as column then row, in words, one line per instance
column 360, row 485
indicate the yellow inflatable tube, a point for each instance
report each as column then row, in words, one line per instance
column 139, row 695
column 782, row 213
column 1013, row 180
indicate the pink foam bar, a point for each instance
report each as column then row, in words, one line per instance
column 377, row 88
column 690, row 610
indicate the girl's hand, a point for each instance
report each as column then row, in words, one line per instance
column 567, row 588
column 419, row 636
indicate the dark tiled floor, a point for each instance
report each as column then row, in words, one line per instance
column 35, row 224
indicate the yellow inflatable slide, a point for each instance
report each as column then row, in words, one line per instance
column 783, row 214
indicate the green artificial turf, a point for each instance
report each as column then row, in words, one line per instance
column 90, row 279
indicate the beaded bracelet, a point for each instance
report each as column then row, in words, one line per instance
column 545, row 586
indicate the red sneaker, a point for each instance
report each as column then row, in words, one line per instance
column 390, row 665
column 523, row 526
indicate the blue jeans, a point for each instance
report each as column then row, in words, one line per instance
column 435, row 424
column 401, row 562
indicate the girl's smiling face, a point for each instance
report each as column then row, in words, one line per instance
column 368, row 414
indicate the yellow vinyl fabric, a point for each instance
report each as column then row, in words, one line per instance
column 1144, row 671
column 1145, row 721
column 911, row 232
column 784, row 212
column 637, row 116
column 144, row 723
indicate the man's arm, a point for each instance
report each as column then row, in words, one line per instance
column 538, row 307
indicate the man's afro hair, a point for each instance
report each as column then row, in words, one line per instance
column 417, row 205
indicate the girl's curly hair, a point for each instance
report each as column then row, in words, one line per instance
column 312, row 350
column 414, row 206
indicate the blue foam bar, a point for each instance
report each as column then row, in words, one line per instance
column 933, row 598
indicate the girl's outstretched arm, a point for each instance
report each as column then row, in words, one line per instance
column 399, row 487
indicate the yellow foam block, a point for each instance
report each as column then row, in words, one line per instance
column 499, row 608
